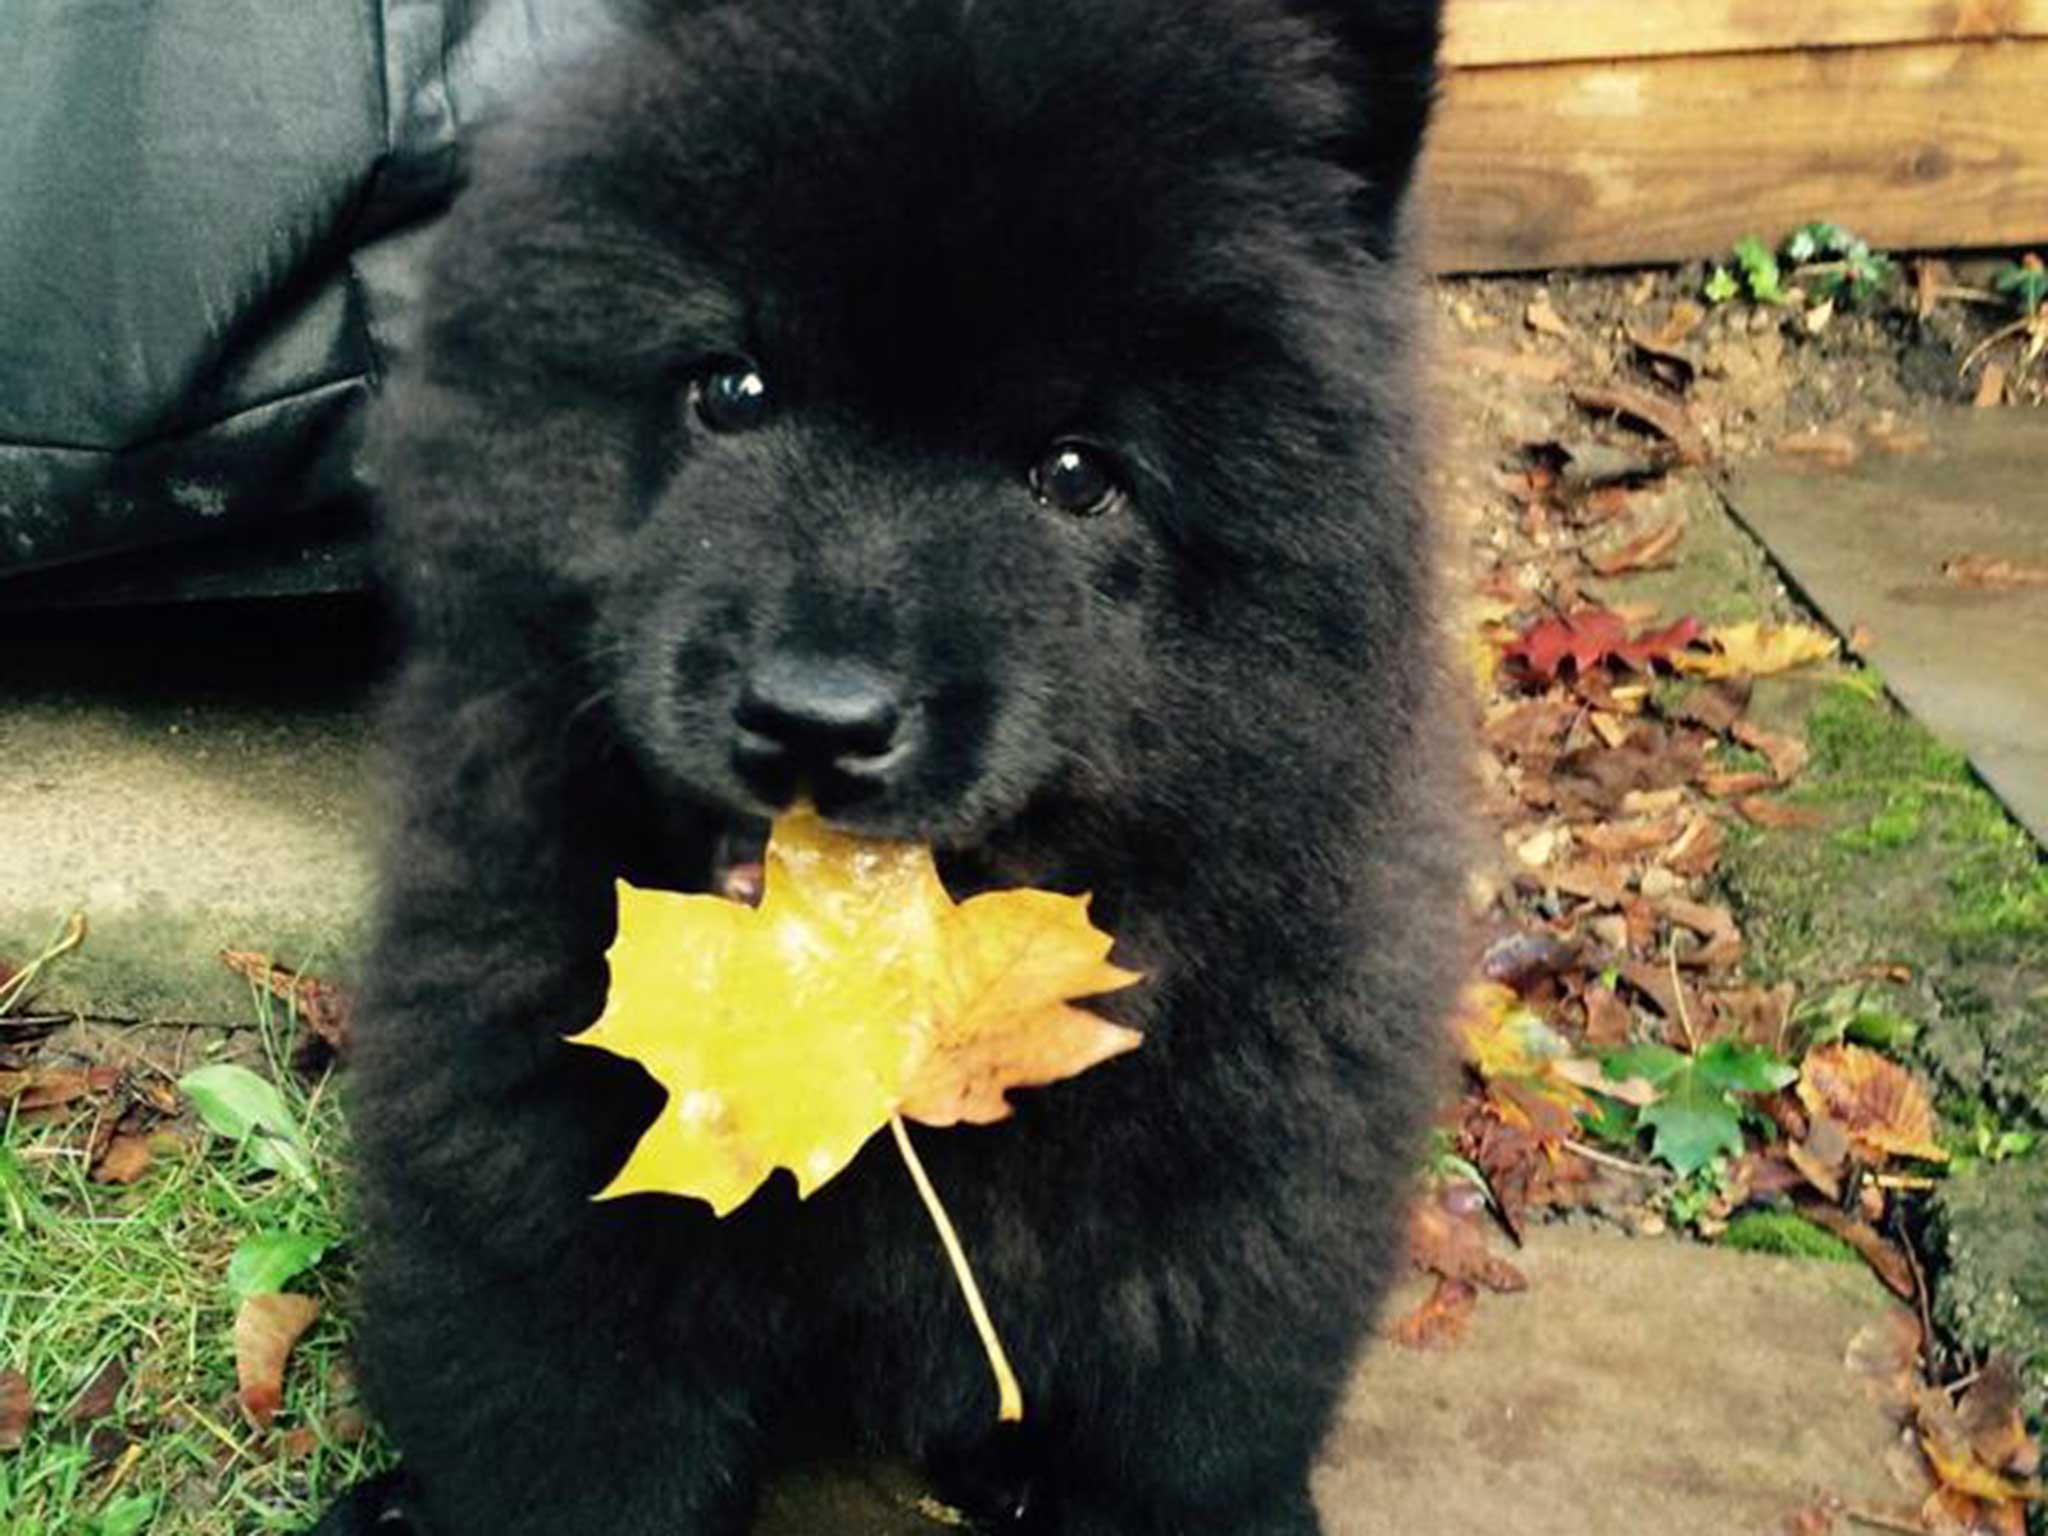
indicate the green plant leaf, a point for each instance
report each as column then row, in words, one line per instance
column 128, row 1516
column 1760, row 270
column 1654, row 1064
column 268, row 1261
column 2025, row 283
column 1722, row 286
column 1729, row 1066
column 236, row 1103
column 1693, row 1124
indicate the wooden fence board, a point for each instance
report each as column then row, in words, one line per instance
column 1669, row 159
column 1483, row 32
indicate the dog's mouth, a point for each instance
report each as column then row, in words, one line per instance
column 739, row 863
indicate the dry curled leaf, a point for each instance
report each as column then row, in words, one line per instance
column 266, row 1328
column 788, row 1034
column 1875, row 1101
column 125, row 1159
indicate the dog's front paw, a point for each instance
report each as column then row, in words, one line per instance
column 379, row 1507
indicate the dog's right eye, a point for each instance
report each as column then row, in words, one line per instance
column 732, row 397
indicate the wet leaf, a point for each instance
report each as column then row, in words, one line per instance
column 788, row 1034
column 1875, row 1101
column 266, row 1328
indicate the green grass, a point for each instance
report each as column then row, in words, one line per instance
column 91, row 1273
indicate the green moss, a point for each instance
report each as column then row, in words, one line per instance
column 1782, row 1232
column 1994, row 1289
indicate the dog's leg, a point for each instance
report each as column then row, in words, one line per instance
column 521, row 1342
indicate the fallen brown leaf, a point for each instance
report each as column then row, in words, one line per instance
column 101, row 1394
column 1667, row 418
column 1454, row 1246
column 1777, row 814
column 1884, row 1259
column 1832, row 450
column 1884, row 1112
column 1607, row 1016
column 17, row 1407
column 1786, row 754
column 322, row 1005
column 125, row 1159
column 1990, row 1415
column 1440, row 1320
column 1636, row 835
column 1698, row 849
column 266, row 1328
column 1725, row 784
column 1649, row 551
column 1994, row 572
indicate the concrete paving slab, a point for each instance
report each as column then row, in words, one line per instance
column 1867, row 542
column 192, row 781
column 1637, row 1385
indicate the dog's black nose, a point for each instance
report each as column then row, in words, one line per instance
column 821, row 725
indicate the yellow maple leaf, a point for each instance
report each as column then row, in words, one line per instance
column 1754, row 649
column 788, row 1034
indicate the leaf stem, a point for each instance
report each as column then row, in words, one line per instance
column 1010, row 1409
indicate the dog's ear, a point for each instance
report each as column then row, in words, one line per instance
column 1389, row 52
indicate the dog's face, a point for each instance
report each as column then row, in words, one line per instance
column 965, row 368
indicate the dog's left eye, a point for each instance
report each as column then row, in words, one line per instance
column 1077, row 478
column 732, row 397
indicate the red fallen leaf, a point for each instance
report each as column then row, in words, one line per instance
column 1441, row 1318
column 17, row 1407
column 266, row 1328
column 1590, row 636
column 101, row 1393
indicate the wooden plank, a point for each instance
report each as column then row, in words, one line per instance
column 1669, row 159
column 1483, row 32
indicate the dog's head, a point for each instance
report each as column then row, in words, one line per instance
column 913, row 399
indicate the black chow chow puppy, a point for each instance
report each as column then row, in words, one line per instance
column 995, row 417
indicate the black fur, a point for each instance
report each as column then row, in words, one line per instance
column 949, row 232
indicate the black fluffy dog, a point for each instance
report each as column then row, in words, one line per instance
column 994, row 416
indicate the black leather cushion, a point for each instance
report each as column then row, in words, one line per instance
column 213, row 218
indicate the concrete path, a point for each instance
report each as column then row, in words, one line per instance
column 1637, row 1386
column 1868, row 540
column 193, row 780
